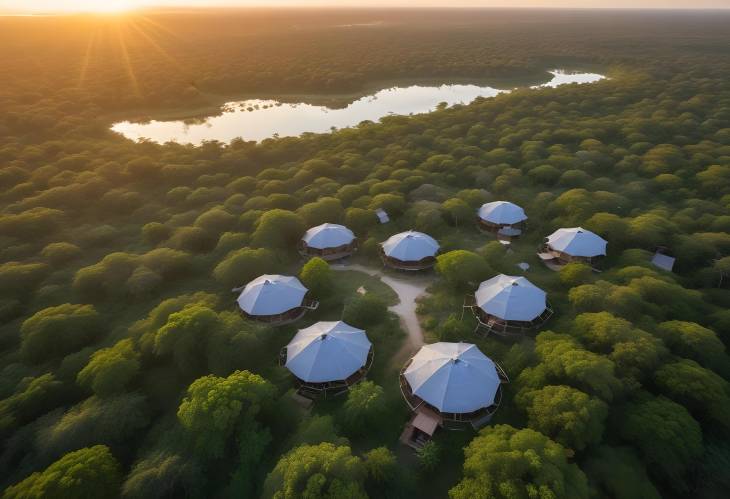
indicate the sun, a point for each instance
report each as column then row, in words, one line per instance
column 105, row 6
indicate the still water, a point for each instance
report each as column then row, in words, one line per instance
column 259, row 119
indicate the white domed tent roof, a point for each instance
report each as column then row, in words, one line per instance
column 453, row 377
column 410, row 246
column 502, row 213
column 512, row 298
column 327, row 351
column 577, row 241
column 271, row 295
column 328, row 236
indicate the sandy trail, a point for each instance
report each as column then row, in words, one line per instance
column 408, row 288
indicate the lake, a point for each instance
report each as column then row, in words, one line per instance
column 258, row 119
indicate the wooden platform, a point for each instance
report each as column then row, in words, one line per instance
column 420, row 428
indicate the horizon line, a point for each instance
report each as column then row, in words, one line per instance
column 183, row 8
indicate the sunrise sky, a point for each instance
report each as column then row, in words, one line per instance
column 48, row 6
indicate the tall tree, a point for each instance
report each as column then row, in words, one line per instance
column 323, row 471
column 503, row 462
column 216, row 408
column 88, row 473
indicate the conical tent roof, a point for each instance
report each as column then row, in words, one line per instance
column 512, row 298
column 502, row 212
column 453, row 377
column 271, row 295
column 328, row 236
column 577, row 241
column 410, row 246
column 327, row 351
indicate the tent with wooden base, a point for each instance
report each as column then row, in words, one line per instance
column 275, row 299
column 409, row 250
column 574, row 244
column 456, row 381
column 328, row 357
column 510, row 305
column 328, row 241
column 504, row 218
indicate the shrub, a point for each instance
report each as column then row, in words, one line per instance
column 462, row 268
column 503, row 461
column 18, row 278
column 365, row 311
column 109, row 421
column 570, row 417
column 85, row 473
column 574, row 274
column 193, row 239
column 381, row 465
column 323, row 470
column 56, row 331
column 110, row 370
column 61, row 253
column 155, row 232
column 364, row 406
column 243, row 265
column 429, row 456
column 316, row 275
column 278, row 229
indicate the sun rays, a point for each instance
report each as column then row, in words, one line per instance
column 87, row 57
column 127, row 38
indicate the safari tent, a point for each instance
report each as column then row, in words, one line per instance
column 328, row 241
column 509, row 305
column 450, row 384
column 575, row 244
column 503, row 218
column 275, row 299
column 409, row 250
column 328, row 357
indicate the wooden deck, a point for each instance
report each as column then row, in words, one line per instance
column 331, row 388
column 452, row 420
column 424, row 264
column 328, row 254
column 489, row 324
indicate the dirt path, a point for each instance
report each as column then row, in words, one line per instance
column 408, row 288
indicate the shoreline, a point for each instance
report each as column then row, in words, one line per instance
column 217, row 102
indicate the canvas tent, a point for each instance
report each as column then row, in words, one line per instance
column 574, row 244
column 456, row 380
column 510, row 305
column 499, row 214
column 577, row 241
column 409, row 250
column 274, row 299
column 328, row 241
column 328, row 353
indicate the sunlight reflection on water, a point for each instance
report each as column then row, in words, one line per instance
column 258, row 119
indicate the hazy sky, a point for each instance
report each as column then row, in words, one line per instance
column 88, row 5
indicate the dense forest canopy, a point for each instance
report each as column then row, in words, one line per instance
column 126, row 369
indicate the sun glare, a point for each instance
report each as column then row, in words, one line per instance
column 104, row 6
